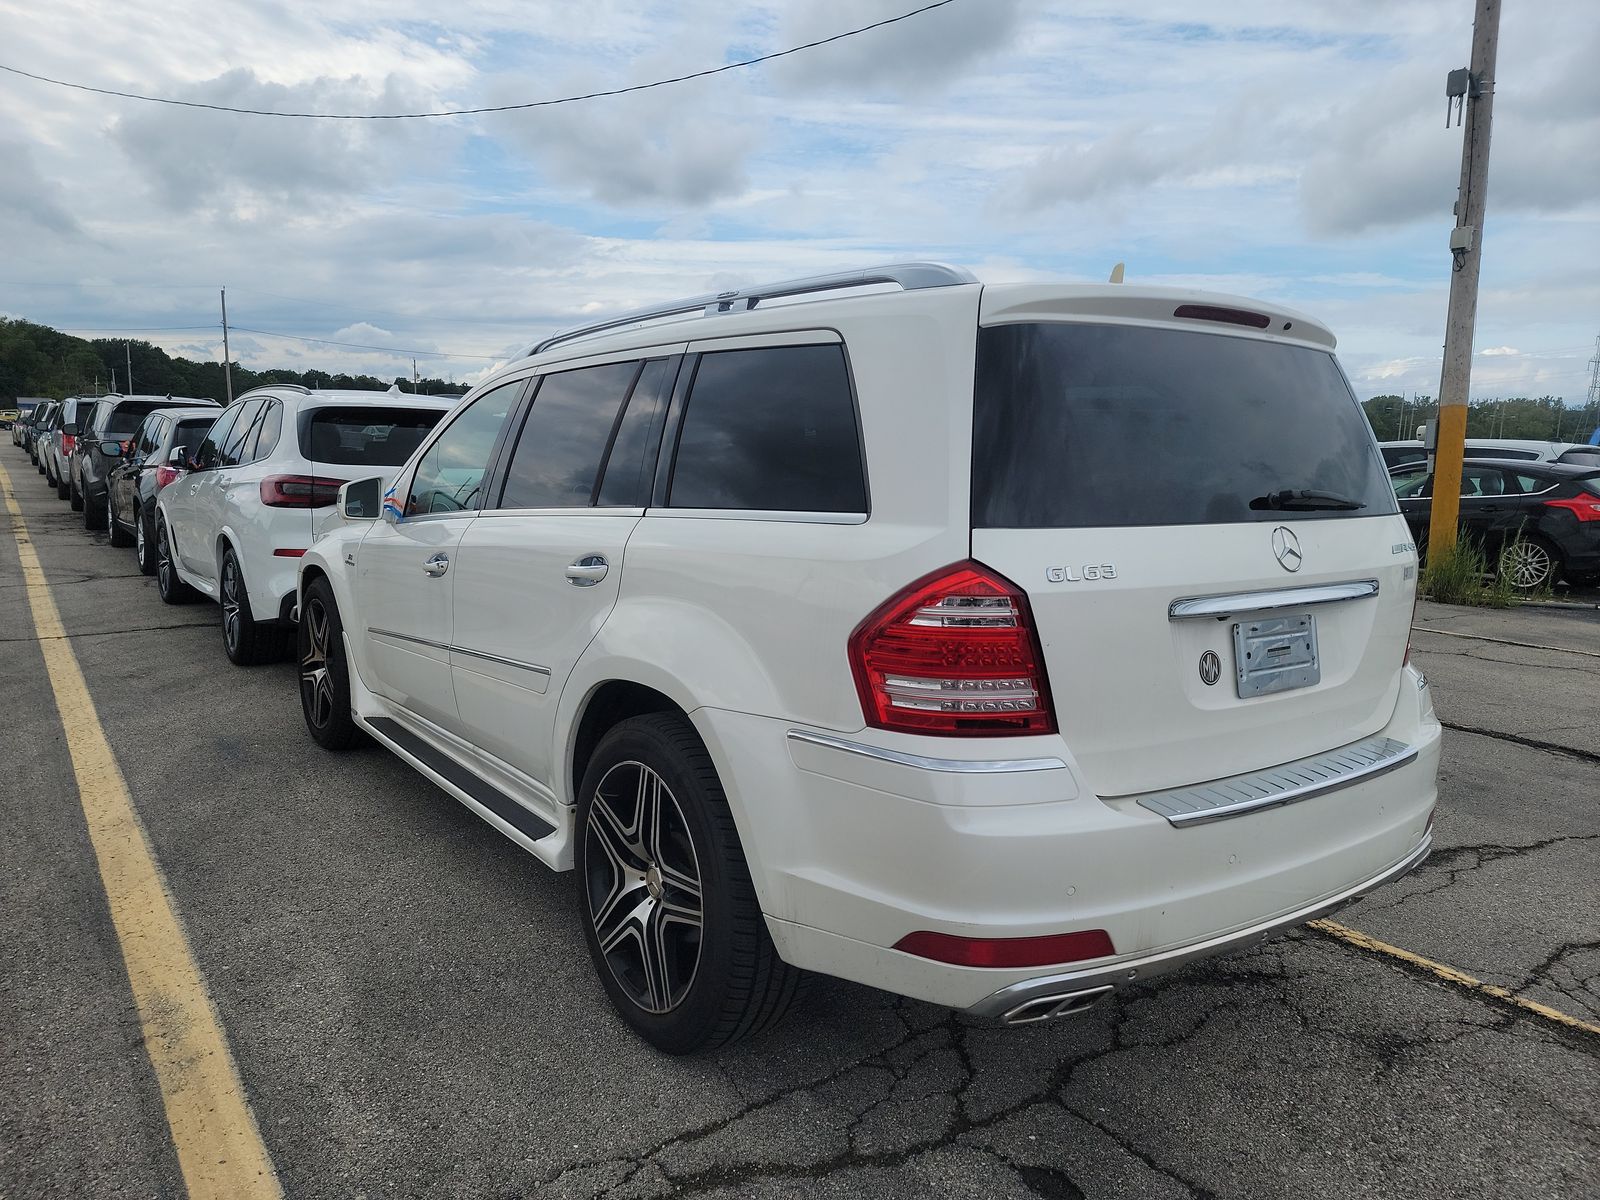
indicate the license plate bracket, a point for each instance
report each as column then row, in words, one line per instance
column 1275, row 654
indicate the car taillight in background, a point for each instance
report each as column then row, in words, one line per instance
column 299, row 491
column 69, row 443
column 166, row 475
column 954, row 653
column 1584, row 507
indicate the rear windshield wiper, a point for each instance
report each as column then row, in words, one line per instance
column 1301, row 500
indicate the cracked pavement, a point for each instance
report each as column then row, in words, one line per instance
column 413, row 1012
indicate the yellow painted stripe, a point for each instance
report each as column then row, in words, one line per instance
column 219, row 1147
column 1366, row 941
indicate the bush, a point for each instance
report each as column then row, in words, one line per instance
column 1461, row 575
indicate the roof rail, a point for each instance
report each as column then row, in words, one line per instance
column 911, row 276
column 267, row 387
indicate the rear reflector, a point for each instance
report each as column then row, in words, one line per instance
column 1231, row 316
column 954, row 654
column 299, row 491
column 287, row 553
column 1008, row 952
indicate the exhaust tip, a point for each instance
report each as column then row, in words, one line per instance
column 1060, row 1004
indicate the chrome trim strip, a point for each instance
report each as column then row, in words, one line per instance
column 1287, row 783
column 760, row 514
column 962, row 766
column 1149, row 966
column 1296, row 597
column 504, row 662
column 372, row 631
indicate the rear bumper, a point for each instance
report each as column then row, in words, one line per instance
column 851, row 852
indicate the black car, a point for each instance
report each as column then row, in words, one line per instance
column 156, row 457
column 36, row 424
column 112, row 424
column 1547, row 513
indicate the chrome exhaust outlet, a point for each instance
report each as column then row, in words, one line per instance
column 1062, row 1004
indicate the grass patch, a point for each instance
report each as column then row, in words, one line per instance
column 1461, row 575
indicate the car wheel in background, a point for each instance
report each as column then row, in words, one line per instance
column 1531, row 562
column 173, row 590
column 73, row 494
column 668, row 909
column 94, row 512
column 144, row 544
column 63, row 489
column 247, row 641
column 324, row 674
column 119, row 537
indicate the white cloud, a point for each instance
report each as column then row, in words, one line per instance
column 1499, row 351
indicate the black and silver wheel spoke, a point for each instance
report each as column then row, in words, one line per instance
column 315, row 682
column 644, row 889
column 230, row 603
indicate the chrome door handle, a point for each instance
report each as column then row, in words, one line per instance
column 437, row 565
column 588, row 570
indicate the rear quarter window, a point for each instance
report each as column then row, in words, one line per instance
column 771, row 429
column 1079, row 425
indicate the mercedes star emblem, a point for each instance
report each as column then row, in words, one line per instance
column 1286, row 548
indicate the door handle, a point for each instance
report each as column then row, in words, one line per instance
column 588, row 570
column 437, row 565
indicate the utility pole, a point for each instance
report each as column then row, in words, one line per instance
column 128, row 354
column 1475, row 89
column 413, row 377
column 227, row 357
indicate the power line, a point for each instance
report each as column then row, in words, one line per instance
column 129, row 328
column 363, row 346
column 467, row 112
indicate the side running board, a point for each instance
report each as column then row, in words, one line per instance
column 482, row 792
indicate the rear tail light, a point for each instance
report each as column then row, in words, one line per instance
column 299, row 491
column 1585, row 507
column 954, row 654
column 69, row 443
column 166, row 475
column 1008, row 952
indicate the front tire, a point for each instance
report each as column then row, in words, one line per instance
column 669, row 912
column 247, row 641
column 324, row 674
column 173, row 590
column 144, row 544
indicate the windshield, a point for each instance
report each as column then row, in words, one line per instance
column 1115, row 425
column 365, row 436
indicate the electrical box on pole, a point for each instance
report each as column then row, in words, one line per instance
column 1472, row 90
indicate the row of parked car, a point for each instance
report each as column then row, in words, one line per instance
column 993, row 645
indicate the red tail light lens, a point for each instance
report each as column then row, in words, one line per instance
column 166, row 475
column 954, row 654
column 1008, row 952
column 1584, row 507
column 299, row 491
column 69, row 443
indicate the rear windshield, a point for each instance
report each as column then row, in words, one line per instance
column 192, row 432
column 1115, row 425
column 1583, row 455
column 129, row 415
column 364, row 436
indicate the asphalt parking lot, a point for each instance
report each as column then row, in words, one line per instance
column 412, row 1011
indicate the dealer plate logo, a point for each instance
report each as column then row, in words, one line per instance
column 1210, row 668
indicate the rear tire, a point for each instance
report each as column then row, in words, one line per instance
column 173, row 590
column 144, row 544
column 324, row 674
column 668, row 909
column 119, row 537
column 247, row 641
column 1531, row 562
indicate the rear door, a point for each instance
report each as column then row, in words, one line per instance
column 1146, row 486
column 183, row 499
column 538, row 571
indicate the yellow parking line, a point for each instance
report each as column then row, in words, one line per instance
column 1366, row 941
column 219, row 1147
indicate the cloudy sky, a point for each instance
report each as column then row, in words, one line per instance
column 1295, row 151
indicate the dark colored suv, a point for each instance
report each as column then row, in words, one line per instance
column 113, row 423
column 156, row 456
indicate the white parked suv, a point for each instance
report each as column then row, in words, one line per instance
column 259, row 485
column 996, row 646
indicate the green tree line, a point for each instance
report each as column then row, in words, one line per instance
column 1541, row 418
column 36, row 360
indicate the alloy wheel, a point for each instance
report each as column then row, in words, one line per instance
column 644, row 889
column 164, row 559
column 138, row 541
column 1530, row 564
column 315, row 686
column 230, row 603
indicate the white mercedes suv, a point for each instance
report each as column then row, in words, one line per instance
column 259, row 485
column 996, row 646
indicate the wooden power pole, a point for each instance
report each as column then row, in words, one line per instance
column 227, row 357
column 1475, row 89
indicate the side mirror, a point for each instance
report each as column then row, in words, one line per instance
column 70, row 429
column 361, row 499
column 111, row 449
column 175, row 456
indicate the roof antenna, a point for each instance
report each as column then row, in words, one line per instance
column 1116, row 273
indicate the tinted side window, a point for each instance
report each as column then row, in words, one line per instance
column 450, row 476
column 558, row 453
column 146, row 438
column 631, row 465
column 232, row 443
column 771, row 429
column 271, row 428
column 209, row 455
column 189, row 434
